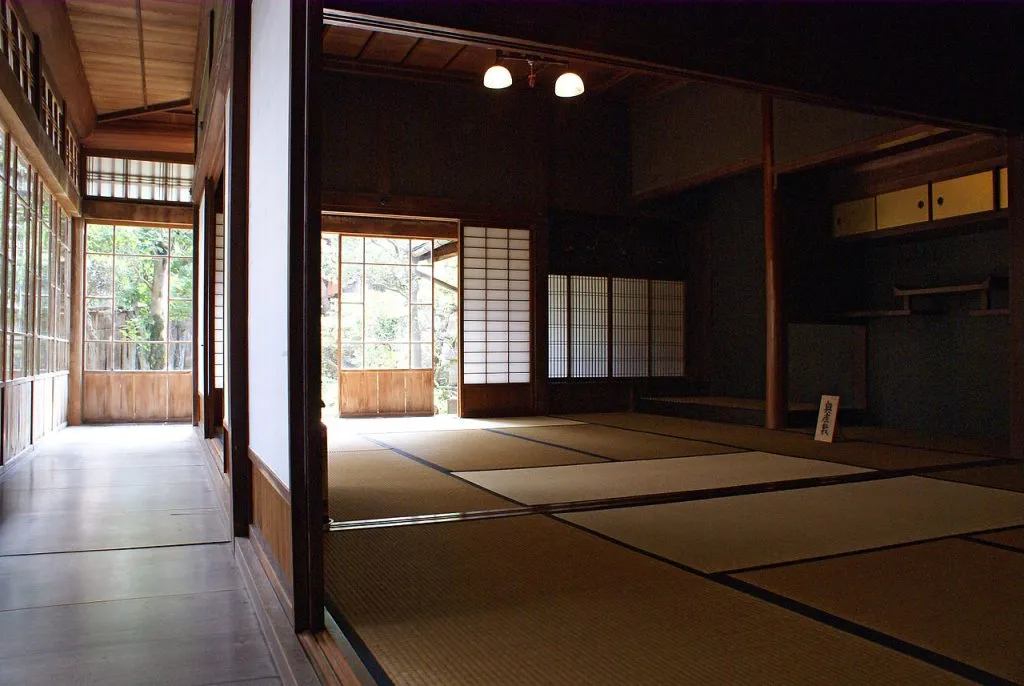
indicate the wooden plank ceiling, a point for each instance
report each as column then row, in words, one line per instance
column 137, row 53
column 356, row 49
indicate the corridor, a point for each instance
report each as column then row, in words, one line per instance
column 117, row 566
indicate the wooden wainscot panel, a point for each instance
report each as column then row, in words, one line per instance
column 61, row 397
column 107, row 397
column 150, row 397
column 391, row 391
column 42, row 401
column 17, row 414
column 272, row 525
column 179, row 389
column 419, row 391
column 497, row 400
column 358, row 393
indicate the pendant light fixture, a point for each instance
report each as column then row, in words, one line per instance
column 568, row 85
column 497, row 77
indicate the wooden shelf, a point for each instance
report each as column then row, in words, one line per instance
column 872, row 314
column 981, row 286
column 997, row 312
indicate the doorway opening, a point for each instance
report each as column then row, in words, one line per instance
column 389, row 318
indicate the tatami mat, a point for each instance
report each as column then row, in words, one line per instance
column 1013, row 538
column 528, row 600
column 380, row 483
column 623, row 479
column 859, row 453
column 766, row 528
column 916, row 439
column 970, row 610
column 618, row 444
column 380, row 425
column 476, row 449
column 344, row 441
column 1008, row 476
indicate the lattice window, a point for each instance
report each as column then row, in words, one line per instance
column 642, row 322
column 558, row 326
column 630, row 340
column 668, row 328
column 588, row 324
column 496, row 305
column 148, row 180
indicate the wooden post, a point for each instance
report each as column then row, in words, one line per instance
column 236, row 300
column 76, row 365
column 775, row 343
column 1015, row 169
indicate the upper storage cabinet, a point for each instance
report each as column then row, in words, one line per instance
column 899, row 208
column 963, row 195
column 854, row 217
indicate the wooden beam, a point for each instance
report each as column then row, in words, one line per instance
column 137, row 213
column 183, row 158
column 141, row 137
column 148, row 109
column 395, row 71
column 776, row 406
column 370, row 225
column 63, row 60
column 1015, row 161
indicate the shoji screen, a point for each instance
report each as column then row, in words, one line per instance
column 558, row 326
column 218, row 305
column 630, row 343
column 496, row 305
column 668, row 330
column 589, row 326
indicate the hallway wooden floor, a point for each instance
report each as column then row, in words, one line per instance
column 116, row 566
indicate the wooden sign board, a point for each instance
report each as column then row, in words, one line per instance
column 828, row 419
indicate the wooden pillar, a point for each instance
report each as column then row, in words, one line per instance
column 76, row 364
column 236, row 243
column 206, row 311
column 306, row 473
column 1015, row 168
column 775, row 342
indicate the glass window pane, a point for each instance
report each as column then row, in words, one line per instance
column 98, row 322
column 422, row 323
column 99, row 276
column 181, row 278
column 181, row 242
column 386, row 251
column 352, row 249
column 17, row 356
column 422, row 358
column 141, row 240
column 180, row 357
column 140, row 357
column 387, row 356
column 351, row 356
column 351, row 283
column 179, row 320
column 140, row 298
column 352, row 323
column 98, row 357
column 422, row 286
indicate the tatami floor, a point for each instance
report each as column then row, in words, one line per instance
column 630, row 548
column 116, row 566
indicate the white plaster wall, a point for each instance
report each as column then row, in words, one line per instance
column 270, row 106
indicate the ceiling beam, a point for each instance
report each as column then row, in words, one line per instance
column 332, row 63
column 146, row 109
column 50, row 20
column 142, row 50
